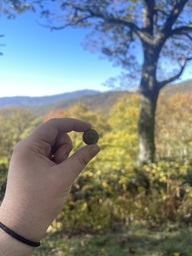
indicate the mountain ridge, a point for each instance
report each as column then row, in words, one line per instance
column 93, row 99
column 29, row 101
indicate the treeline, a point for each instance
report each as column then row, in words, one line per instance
column 112, row 189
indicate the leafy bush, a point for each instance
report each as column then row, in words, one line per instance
column 155, row 195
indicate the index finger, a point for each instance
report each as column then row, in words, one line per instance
column 49, row 130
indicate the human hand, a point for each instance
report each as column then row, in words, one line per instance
column 38, row 182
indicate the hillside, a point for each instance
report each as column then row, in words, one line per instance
column 180, row 87
column 100, row 102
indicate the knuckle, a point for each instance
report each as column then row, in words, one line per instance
column 82, row 158
column 18, row 145
column 19, row 148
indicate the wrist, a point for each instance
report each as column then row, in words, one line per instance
column 22, row 223
column 18, row 237
column 10, row 246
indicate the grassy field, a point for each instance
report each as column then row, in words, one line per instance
column 132, row 241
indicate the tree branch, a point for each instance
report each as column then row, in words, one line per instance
column 108, row 18
column 182, row 30
column 187, row 35
column 75, row 22
column 158, row 9
column 148, row 13
column 173, row 78
column 176, row 11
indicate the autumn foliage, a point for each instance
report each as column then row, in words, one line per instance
column 112, row 190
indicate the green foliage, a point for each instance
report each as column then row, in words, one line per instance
column 112, row 192
column 170, row 188
column 155, row 195
column 3, row 177
column 13, row 122
column 173, row 126
column 120, row 144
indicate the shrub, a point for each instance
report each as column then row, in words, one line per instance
column 156, row 194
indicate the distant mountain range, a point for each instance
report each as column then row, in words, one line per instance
column 96, row 102
column 27, row 101
column 93, row 99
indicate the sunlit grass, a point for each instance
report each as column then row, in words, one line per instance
column 132, row 241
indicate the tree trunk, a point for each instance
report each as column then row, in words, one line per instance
column 149, row 92
column 146, row 128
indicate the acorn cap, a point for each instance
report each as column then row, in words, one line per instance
column 90, row 136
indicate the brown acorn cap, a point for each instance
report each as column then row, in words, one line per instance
column 90, row 136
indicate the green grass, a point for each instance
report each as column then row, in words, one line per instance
column 131, row 241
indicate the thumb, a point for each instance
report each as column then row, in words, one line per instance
column 72, row 166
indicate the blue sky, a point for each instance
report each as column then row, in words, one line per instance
column 38, row 61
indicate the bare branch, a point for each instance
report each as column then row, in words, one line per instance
column 189, row 37
column 75, row 22
column 173, row 78
column 182, row 30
